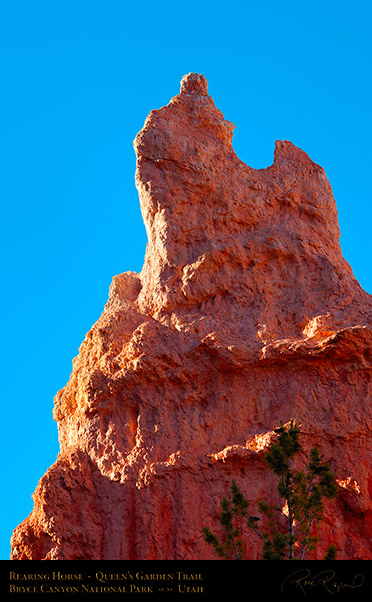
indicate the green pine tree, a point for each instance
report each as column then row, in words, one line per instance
column 290, row 526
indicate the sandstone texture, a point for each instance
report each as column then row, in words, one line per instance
column 245, row 314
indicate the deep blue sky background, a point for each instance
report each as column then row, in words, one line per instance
column 78, row 79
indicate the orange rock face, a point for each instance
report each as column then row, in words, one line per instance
column 245, row 314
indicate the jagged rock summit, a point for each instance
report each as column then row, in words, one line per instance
column 245, row 314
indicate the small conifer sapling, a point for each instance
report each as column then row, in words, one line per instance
column 289, row 534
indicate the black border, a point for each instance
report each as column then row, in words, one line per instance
column 166, row 580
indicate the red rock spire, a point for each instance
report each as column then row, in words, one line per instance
column 194, row 83
column 245, row 314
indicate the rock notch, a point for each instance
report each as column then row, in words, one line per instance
column 245, row 314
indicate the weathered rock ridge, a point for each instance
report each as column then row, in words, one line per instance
column 245, row 314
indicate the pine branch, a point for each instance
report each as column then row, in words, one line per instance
column 302, row 492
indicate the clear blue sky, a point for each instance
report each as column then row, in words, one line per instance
column 78, row 79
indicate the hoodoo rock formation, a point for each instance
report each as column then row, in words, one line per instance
column 245, row 314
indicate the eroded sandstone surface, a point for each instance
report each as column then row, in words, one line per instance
column 245, row 314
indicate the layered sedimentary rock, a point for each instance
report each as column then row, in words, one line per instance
column 245, row 314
